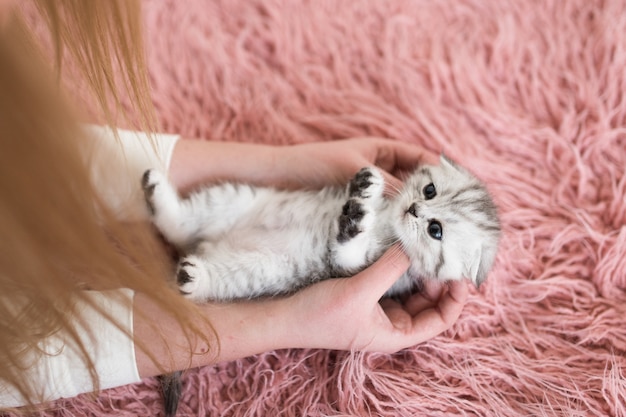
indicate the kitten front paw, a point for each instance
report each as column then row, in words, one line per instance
column 367, row 183
column 365, row 191
column 191, row 278
column 352, row 214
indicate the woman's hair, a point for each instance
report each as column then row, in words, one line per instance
column 57, row 236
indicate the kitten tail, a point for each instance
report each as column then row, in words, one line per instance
column 171, row 387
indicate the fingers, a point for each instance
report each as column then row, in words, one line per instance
column 457, row 296
column 404, row 157
column 432, row 289
column 407, row 156
column 418, row 303
column 420, row 318
column 396, row 314
column 397, row 159
column 433, row 321
column 380, row 276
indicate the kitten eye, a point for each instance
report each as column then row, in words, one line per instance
column 435, row 230
column 430, row 191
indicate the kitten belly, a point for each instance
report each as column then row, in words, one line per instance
column 279, row 260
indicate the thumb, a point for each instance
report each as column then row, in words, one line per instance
column 380, row 276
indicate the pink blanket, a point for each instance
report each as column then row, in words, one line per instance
column 530, row 95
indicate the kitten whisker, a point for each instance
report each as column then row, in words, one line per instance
column 397, row 254
column 388, row 241
column 395, row 189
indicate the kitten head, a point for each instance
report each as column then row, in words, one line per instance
column 447, row 223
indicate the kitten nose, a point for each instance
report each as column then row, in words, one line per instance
column 413, row 210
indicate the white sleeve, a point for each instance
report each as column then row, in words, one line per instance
column 61, row 371
column 116, row 166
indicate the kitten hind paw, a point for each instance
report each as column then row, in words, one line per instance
column 162, row 202
column 191, row 279
column 148, row 190
column 151, row 183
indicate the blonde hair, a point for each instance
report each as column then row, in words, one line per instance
column 58, row 237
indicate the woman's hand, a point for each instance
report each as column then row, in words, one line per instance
column 341, row 314
column 346, row 313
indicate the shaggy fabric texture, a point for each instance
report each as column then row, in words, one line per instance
column 528, row 95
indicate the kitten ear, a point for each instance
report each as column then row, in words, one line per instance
column 447, row 162
column 480, row 264
column 473, row 268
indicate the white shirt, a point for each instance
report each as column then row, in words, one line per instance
column 116, row 169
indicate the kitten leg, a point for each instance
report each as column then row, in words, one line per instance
column 221, row 271
column 352, row 245
column 166, row 209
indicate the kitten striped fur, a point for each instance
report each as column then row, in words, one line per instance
column 242, row 241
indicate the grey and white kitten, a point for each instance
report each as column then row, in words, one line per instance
column 242, row 241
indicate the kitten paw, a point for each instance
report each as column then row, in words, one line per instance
column 354, row 234
column 365, row 191
column 350, row 220
column 164, row 205
column 148, row 190
column 191, row 278
column 367, row 183
column 151, row 183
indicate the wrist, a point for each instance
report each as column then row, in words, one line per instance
column 250, row 327
column 242, row 328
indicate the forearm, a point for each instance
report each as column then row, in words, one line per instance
column 243, row 329
column 196, row 161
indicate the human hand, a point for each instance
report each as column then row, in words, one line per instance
column 346, row 313
column 341, row 314
column 322, row 163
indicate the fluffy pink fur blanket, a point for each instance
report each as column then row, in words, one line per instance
column 529, row 95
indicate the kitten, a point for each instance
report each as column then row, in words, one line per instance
column 242, row 241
